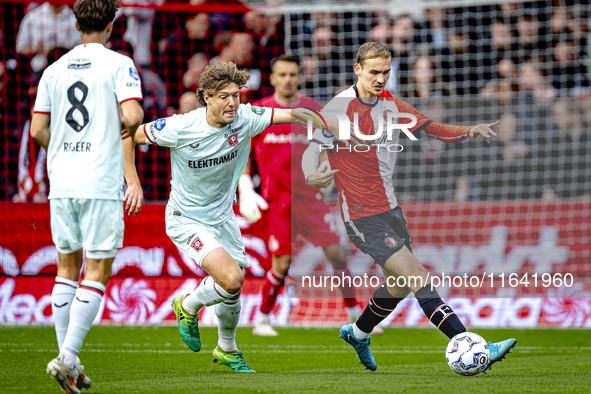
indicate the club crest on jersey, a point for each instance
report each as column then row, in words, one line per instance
column 160, row 123
column 257, row 110
column 197, row 244
column 133, row 73
column 391, row 242
column 233, row 140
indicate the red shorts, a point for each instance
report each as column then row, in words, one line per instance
column 311, row 218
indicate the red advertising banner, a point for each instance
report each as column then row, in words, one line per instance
column 449, row 238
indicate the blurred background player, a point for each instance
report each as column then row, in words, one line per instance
column 370, row 210
column 275, row 149
column 82, row 95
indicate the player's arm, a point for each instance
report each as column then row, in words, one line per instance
column 303, row 116
column 132, row 115
column 445, row 132
column 40, row 128
column 134, row 196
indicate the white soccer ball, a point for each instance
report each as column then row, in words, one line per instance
column 467, row 354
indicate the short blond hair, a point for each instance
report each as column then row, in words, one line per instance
column 215, row 78
column 372, row 50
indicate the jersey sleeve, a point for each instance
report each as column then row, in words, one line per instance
column 259, row 118
column 322, row 137
column 404, row 107
column 43, row 99
column 163, row 132
column 127, row 82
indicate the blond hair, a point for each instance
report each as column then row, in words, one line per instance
column 372, row 50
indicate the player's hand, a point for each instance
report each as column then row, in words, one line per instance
column 251, row 203
column 125, row 133
column 134, row 198
column 323, row 177
column 483, row 129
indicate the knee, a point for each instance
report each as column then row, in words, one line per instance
column 233, row 282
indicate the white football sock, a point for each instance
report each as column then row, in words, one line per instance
column 262, row 318
column 228, row 314
column 84, row 309
column 208, row 293
column 358, row 333
column 62, row 295
column 353, row 312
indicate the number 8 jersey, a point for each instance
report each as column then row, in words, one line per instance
column 82, row 92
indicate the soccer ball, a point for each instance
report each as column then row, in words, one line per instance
column 467, row 354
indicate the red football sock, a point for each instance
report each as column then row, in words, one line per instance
column 346, row 287
column 270, row 289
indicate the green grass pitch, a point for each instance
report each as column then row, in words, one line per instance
column 154, row 360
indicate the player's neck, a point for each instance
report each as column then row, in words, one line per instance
column 94, row 38
column 286, row 101
column 364, row 95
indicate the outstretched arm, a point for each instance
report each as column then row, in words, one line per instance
column 451, row 133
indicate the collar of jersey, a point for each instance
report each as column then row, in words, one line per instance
column 363, row 102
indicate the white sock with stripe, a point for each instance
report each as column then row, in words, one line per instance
column 206, row 294
column 228, row 313
column 62, row 296
column 84, row 309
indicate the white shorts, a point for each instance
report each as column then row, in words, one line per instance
column 95, row 224
column 197, row 239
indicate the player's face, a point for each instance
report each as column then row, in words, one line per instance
column 224, row 104
column 374, row 75
column 285, row 78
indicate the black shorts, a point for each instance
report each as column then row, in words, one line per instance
column 381, row 235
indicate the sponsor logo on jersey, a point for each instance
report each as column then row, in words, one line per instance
column 194, row 146
column 257, row 110
column 132, row 84
column 160, row 124
column 233, row 140
column 391, row 242
column 133, row 73
column 212, row 162
column 197, row 244
column 75, row 66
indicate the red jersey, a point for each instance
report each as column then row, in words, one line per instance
column 278, row 152
column 364, row 182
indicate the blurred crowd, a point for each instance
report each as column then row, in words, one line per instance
column 524, row 63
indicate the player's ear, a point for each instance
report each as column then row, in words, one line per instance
column 77, row 26
column 272, row 79
column 357, row 69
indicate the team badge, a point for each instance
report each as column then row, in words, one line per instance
column 257, row 110
column 391, row 242
column 134, row 74
column 197, row 244
column 160, row 123
column 233, row 140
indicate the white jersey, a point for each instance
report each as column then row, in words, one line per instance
column 207, row 162
column 82, row 92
